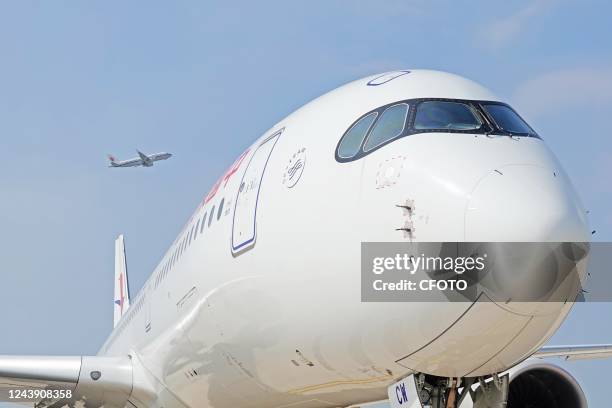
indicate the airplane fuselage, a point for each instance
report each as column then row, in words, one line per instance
column 258, row 300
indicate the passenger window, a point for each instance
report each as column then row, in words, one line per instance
column 352, row 140
column 197, row 227
column 440, row 115
column 390, row 125
column 210, row 217
column 203, row 223
column 220, row 211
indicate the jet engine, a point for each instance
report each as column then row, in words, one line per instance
column 532, row 384
column 544, row 385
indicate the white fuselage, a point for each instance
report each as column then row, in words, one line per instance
column 263, row 307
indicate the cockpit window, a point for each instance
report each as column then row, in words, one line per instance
column 352, row 140
column 390, row 125
column 445, row 115
column 385, row 124
column 507, row 119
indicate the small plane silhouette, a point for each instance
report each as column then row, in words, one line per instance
column 142, row 160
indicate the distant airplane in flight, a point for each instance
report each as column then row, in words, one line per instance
column 143, row 160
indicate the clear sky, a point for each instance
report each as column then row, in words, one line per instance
column 202, row 80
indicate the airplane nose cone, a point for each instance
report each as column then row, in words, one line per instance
column 532, row 205
column 524, row 203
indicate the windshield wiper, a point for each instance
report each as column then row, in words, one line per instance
column 518, row 133
column 502, row 132
column 489, row 130
column 512, row 133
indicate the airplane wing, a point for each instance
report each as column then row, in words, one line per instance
column 583, row 352
column 52, row 381
column 143, row 156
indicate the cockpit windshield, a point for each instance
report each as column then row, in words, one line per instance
column 385, row 124
column 445, row 115
column 507, row 119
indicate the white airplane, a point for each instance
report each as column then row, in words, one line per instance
column 257, row 302
column 145, row 160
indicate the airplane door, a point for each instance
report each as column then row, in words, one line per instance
column 244, row 227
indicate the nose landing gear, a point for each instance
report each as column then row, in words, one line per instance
column 440, row 392
column 437, row 392
column 492, row 394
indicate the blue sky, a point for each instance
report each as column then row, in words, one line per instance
column 202, row 80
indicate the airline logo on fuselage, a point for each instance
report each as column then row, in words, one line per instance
column 295, row 168
column 226, row 177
